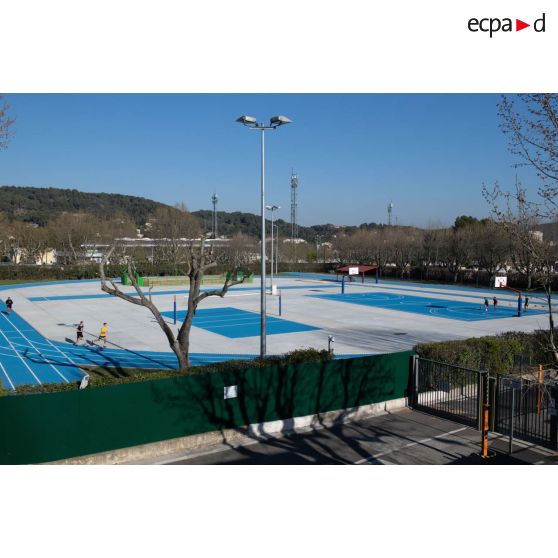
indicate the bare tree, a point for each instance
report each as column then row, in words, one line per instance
column 403, row 245
column 6, row 124
column 198, row 259
column 173, row 227
column 491, row 246
column 456, row 249
column 520, row 218
column 74, row 235
column 531, row 123
column 432, row 247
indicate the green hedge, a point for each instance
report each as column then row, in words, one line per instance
column 106, row 376
column 499, row 353
column 14, row 273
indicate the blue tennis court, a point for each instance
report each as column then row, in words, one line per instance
column 439, row 307
column 235, row 323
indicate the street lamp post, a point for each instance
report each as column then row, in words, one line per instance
column 253, row 124
column 276, row 248
column 272, row 208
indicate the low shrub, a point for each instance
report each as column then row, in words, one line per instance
column 499, row 354
column 106, row 376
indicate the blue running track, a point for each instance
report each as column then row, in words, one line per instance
column 26, row 357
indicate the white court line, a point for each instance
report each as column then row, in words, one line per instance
column 6, row 374
column 423, row 441
column 21, row 358
column 36, row 349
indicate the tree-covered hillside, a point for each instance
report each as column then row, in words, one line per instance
column 42, row 205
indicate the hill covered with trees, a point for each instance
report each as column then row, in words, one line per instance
column 42, row 205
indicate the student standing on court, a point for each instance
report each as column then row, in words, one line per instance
column 495, row 302
column 526, row 305
column 79, row 332
column 486, row 304
column 103, row 334
column 9, row 304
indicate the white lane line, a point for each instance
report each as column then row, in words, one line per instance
column 59, row 350
column 36, row 349
column 6, row 374
column 411, row 444
column 21, row 358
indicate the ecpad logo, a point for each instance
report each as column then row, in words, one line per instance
column 493, row 25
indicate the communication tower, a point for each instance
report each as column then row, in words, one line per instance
column 214, row 200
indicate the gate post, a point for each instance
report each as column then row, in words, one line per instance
column 482, row 396
column 414, row 380
column 553, row 411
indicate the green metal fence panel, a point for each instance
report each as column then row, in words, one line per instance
column 46, row 427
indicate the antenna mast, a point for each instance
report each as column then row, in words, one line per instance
column 214, row 200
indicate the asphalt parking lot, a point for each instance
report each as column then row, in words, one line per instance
column 405, row 437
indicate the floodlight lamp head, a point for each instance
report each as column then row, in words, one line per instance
column 279, row 120
column 246, row 120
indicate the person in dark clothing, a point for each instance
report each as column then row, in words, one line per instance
column 9, row 304
column 79, row 332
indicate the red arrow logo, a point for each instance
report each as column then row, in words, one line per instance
column 519, row 25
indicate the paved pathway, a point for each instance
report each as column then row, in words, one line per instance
column 406, row 437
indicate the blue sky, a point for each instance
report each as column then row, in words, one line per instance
column 428, row 153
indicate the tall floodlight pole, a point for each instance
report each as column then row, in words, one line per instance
column 214, row 200
column 272, row 208
column 253, row 124
column 276, row 249
column 294, row 227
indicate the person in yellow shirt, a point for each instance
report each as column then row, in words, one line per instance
column 103, row 335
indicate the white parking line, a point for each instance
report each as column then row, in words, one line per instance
column 411, row 444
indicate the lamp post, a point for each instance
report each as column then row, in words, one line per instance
column 276, row 249
column 272, row 208
column 253, row 124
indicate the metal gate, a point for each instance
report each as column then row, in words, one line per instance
column 525, row 409
column 448, row 391
column 519, row 408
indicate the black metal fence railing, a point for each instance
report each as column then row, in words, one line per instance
column 448, row 391
column 524, row 410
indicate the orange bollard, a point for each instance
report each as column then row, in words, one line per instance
column 540, row 389
column 485, row 424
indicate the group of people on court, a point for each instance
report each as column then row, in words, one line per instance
column 102, row 335
column 80, row 328
column 495, row 304
column 487, row 304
